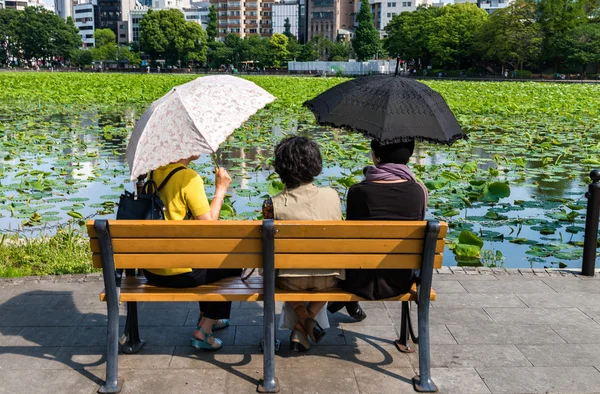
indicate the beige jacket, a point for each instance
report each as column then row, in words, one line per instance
column 308, row 202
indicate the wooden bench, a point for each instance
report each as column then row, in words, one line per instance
column 129, row 245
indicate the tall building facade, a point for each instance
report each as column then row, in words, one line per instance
column 286, row 10
column 84, row 15
column 20, row 5
column 330, row 18
column 385, row 10
column 63, row 8
column 244, row 18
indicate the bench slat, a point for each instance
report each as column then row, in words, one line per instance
column 180, row 229
column 182, row 245
column 134, row 260
column 229, row 290
column 393, row 246
column 360, row 229
column 352, row 261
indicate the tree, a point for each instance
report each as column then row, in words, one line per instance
column 321, row 45
column 287, row 28
column 82, row 57
column 104, row 37
column 8, row 44
column 510, row 36
column 278, row 49
column 450, row 38
column 366, row 41
column 556, row 18
column 308, row 53
column 340, row 51
column 408, row 35
column 211, row 29
column 583, row 46
column 106, row 48
column 166, row 33
column 294, row 48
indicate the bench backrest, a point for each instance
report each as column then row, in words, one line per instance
column 239, row 244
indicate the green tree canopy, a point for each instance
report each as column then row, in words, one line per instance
column 583, row 46
column 166, row 33
column 82, row 57
column 366, row 41
column 511, row 36
column 340, row 51
column 321, row 46
column 211, row 29
column 278, row 48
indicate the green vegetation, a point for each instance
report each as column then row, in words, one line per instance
column 366, row 42
column 517, row 184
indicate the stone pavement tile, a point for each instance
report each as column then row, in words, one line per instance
column 25, row 302
column 558, row 355
column 239, row 316
column 550, row 316
column 511, row 380
column 81, row 303
column 228, row 357
column 464, row 278
column 438, row 334
column 463, row 316
column 450, row 356
column 87, row 336
column 397, row 381
column 375, row 317
column 99, row 318
column 497, row 335
column 448, row 286
column 150, row 357
column 210, row 381
column 579, row 334
column 479, row 301
column 179, row 335
column 369, row 335
column 35, row 336
column 301, row 378
column 31, row 381
column 26, row 357
column 508, row 287
column 569, row 286
column 372, row 305
column 560, row 300
column 592, row 311
column 164, row 317
column 458, row 380
column 256, row 305
column 252, row 335
column 8, row 334
column 41, row 318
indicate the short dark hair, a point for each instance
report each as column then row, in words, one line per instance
column 297, row 161
column 398, row 153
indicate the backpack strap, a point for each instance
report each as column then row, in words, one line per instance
column 164, row 182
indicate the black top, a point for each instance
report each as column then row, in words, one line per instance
column 382, row 201
column 385, row 201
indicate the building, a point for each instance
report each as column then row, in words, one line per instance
column 282, row 10
column 488, row 5
column 63, row 8
column 385, row 10
column 244, row 17
column 2, row 4
column 135, row 16
column 327, row 17
column 20, row 5
column 111, row 13
column 198, row 14
column 85, row 14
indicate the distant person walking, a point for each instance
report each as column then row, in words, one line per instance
column 148, row 68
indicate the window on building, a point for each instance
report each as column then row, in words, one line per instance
column 123, row 35
column 86, row 28
column 389, row 15
column 122, row 27
column 322, row 15
column 393, row 4
column 88, row 36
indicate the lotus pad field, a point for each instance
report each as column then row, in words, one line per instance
column 513, row 194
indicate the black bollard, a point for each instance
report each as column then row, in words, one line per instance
column 591, row 225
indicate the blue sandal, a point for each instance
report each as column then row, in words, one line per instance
column 203, row 344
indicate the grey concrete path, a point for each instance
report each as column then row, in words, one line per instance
column 493, row 331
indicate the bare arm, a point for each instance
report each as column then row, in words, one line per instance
column 222, row 181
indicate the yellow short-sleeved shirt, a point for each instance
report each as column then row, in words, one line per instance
column 183, row 192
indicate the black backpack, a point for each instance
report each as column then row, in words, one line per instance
column 146, row 205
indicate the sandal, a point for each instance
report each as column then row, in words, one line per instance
column 203, row 344
column 220, row 324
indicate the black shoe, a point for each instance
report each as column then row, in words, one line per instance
column 355, row 311
column 334, row 307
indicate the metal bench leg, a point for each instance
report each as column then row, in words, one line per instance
column 112, row 383
column 403, row 344
column 130, row 341
column 423, row 382
column 269, row 383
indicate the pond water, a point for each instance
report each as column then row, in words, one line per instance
column 70, row 165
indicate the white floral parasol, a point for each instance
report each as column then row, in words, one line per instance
column 192, row 119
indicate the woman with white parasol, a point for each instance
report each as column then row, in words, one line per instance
column 190, row 120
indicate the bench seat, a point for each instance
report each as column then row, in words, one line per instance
column 136, row 289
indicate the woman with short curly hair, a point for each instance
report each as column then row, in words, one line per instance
column 297, row 162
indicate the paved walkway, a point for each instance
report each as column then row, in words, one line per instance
column 493, row 331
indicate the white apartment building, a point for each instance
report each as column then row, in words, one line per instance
column 166, row 4
column 1, row 4
column 83, row 16
column 488, row 5
column 198, row 14
column 63, row 8
column 286, row 9
column 385, row 10
column 20, row 5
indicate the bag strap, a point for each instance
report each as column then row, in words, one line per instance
column 164, row 182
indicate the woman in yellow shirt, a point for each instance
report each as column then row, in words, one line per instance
column 184, row 196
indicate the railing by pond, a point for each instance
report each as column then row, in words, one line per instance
column 590, row 242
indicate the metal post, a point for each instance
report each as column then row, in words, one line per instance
column 403, row 344
column 130, row 342
column 423, row 382
column 269, row 383
column 591, row 225
column 112, row 383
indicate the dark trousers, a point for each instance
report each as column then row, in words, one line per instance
column 198, row 277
